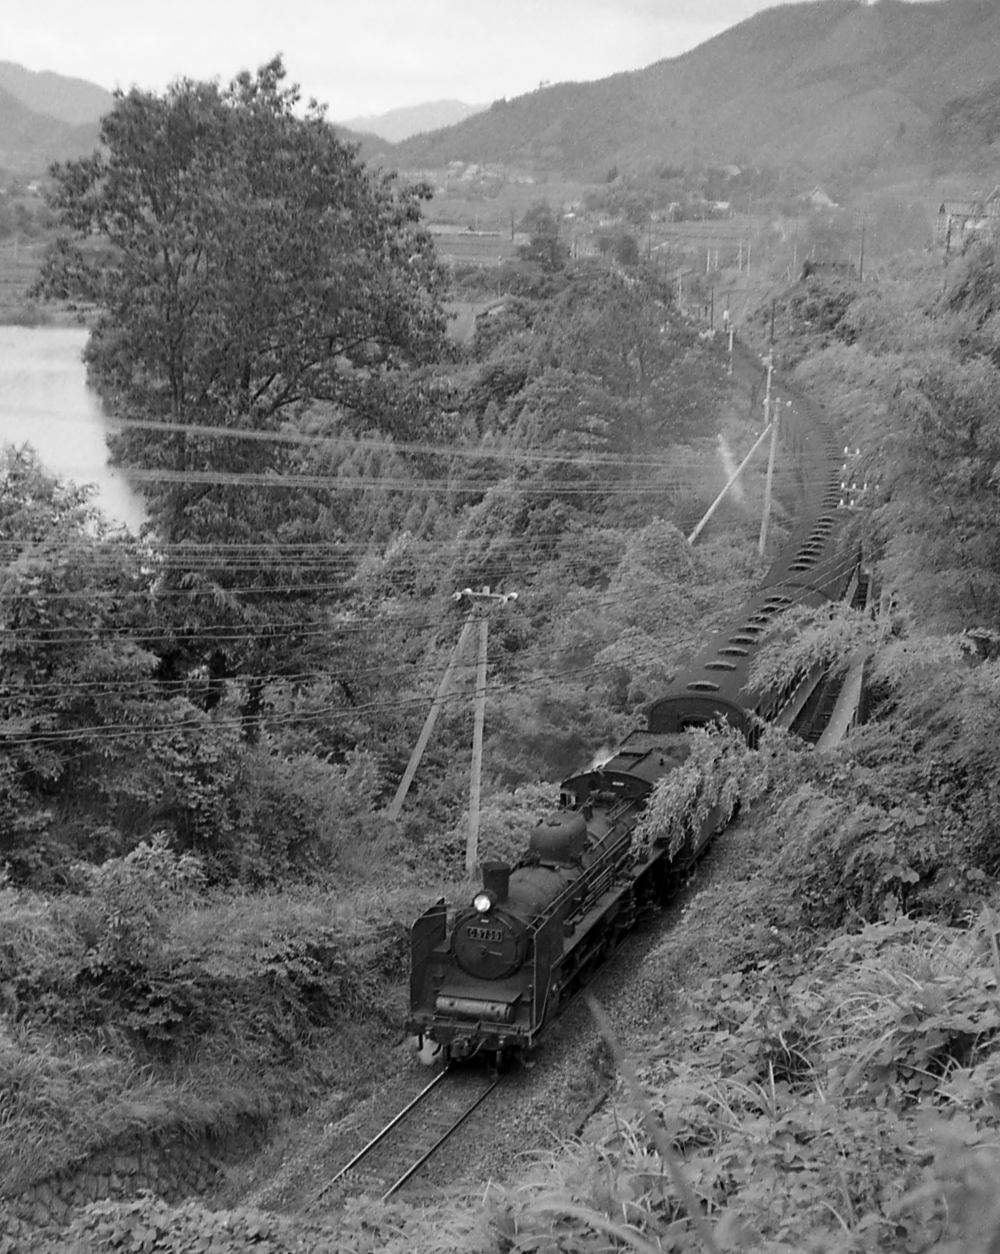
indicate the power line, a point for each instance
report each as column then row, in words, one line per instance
column 208, row 724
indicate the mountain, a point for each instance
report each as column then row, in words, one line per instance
column 825, row 86
column 30, row 142
column 71, row 100
column 399, row 124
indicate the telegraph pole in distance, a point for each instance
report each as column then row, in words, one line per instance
column 482, row 602
column 861, row 259
column 732, row 479
column 769, row 362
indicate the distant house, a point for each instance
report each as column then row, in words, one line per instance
column 839, row 269
column 953, row 218
column 958, row 218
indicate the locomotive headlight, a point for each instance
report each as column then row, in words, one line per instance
column 483, row 902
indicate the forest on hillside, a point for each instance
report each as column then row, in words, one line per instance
column 202, row 724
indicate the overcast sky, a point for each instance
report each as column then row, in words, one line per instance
column 361, row 56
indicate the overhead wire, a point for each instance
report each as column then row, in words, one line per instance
column 207, row 724
column 209, row 550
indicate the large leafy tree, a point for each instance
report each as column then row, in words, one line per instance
column 244, row 266
column 250, row 263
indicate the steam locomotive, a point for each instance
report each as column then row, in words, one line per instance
column 493, row 977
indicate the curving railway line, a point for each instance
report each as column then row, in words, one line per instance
column 401, row 1150
column 406, row 1144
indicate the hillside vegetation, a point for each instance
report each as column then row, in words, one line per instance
column 203, row 916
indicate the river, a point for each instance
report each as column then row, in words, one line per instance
column 45, row 402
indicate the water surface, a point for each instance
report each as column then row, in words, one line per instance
column 45, row 402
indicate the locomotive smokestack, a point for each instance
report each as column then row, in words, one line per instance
column 496, row 879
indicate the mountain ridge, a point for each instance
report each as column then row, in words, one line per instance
column 821, row 85
column 75, row 101
column 396, row 125
column 31, row 141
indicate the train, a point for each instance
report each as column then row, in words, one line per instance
column 489, row 978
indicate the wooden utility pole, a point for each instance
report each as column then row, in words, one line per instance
column 765, row 518
column 428, row 727
column 472, row 841
column 732, row 479
column 483, row 602
column 861, row 259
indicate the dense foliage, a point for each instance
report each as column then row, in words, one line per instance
column 244, row 266
column 208, row 711
column 225, row 704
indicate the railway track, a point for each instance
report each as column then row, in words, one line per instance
column 408, row 1141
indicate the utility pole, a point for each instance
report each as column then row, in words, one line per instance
column 482, row 602
column 732, row 479
column 428, row 727
column 765, row 518
column 711, row 316
column 861, row 259
column 478, row 612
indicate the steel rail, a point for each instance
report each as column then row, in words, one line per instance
column 412, row 1171
column 378, row 1138
column 394, row 1123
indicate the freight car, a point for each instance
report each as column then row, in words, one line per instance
column 494, row 976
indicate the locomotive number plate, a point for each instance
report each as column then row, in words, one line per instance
column 494, row 934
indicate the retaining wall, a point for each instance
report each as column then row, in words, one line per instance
column 173, row 1168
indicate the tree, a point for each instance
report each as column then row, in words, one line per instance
column 626, row 250
column 244, row 266
column 545, row 248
